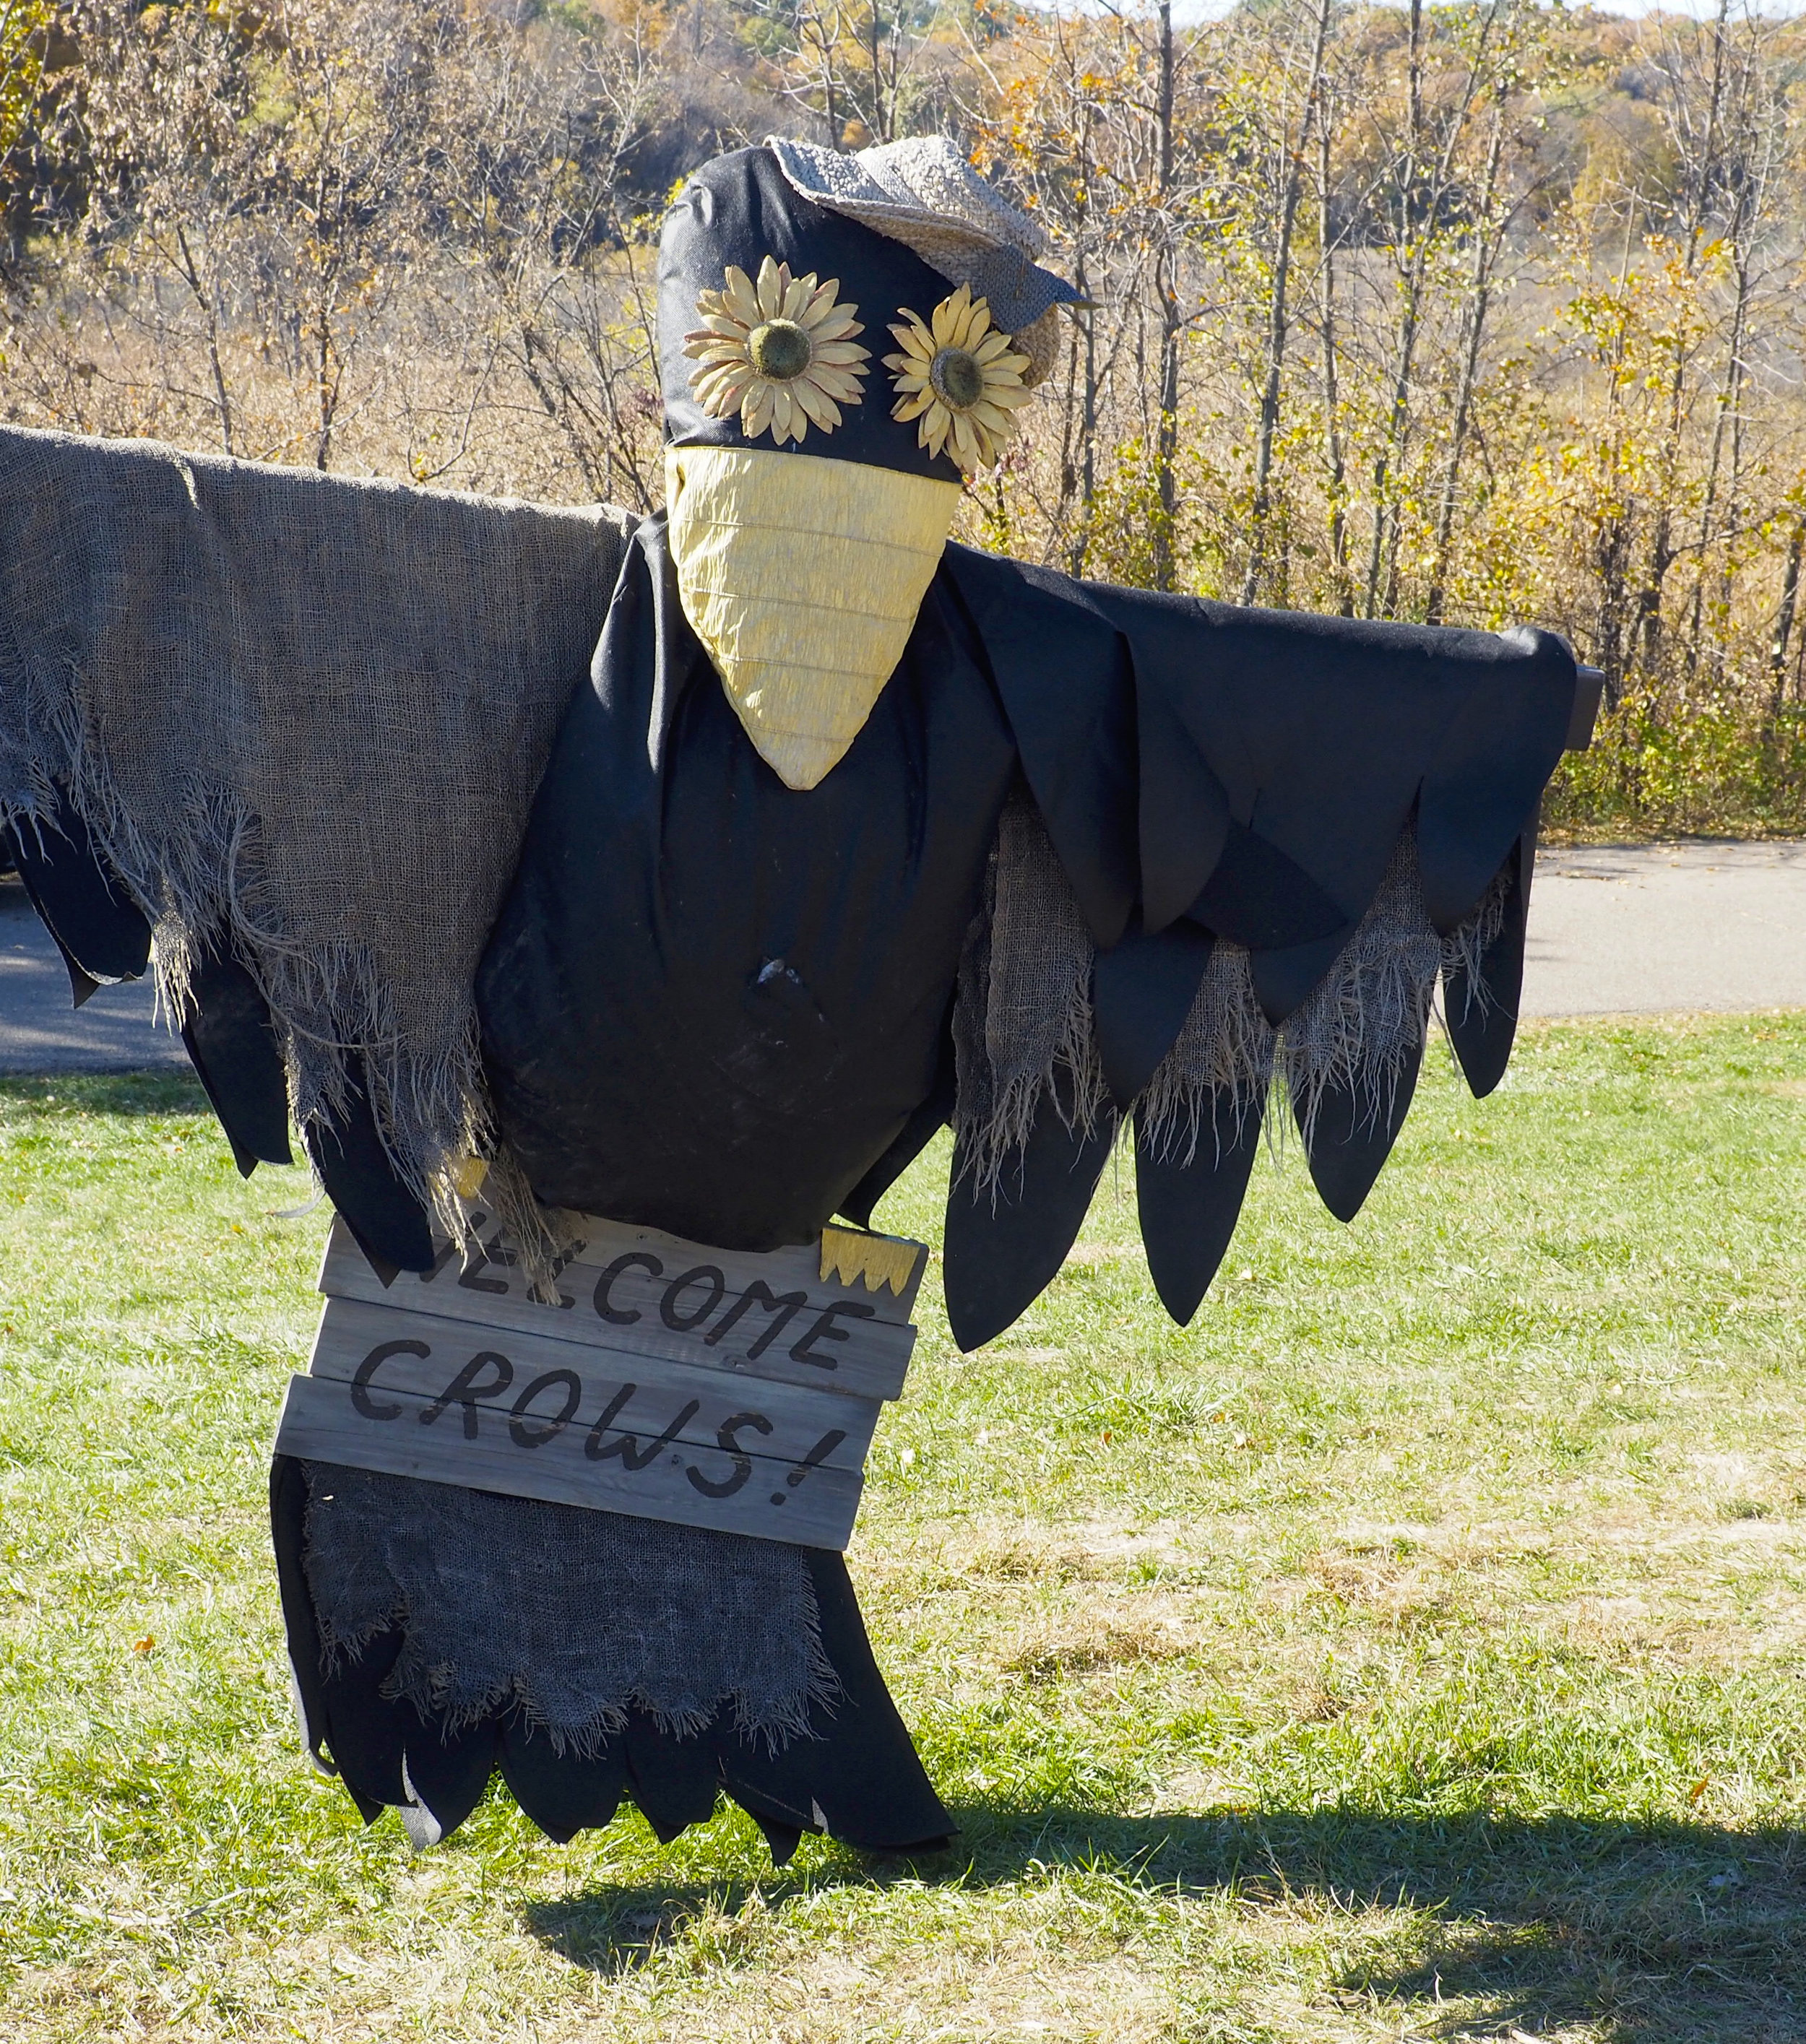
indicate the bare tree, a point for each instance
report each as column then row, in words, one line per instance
column 1292, row 143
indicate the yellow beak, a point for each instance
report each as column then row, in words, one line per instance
column 802, row 577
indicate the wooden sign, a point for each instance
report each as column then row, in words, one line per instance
column 654, row 1377
column 651, row 1294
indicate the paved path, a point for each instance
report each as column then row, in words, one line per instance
column 1613, row 930
column 1647, row 929
column 112, row 1032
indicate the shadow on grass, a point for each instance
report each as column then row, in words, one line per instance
column 165, row 1091
column 1651, row 1933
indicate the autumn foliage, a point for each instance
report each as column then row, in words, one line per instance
column 1475, row 314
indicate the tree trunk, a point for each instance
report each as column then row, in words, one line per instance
column 206, row 299
column 1278, row 322
column 1662, row 548
column 1395, row 413
column 1783, row 623
column 1485, row 254
column 1165, row 291
column 1333, row 449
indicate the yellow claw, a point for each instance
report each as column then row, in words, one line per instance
column 873, row 1261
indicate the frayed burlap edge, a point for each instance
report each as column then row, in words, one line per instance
column 1024, row 1034
column 201, row 885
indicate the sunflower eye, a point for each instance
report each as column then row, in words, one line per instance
column 779, row 351
column 959, row 380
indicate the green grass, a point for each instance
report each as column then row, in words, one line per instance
column 1411, row 1649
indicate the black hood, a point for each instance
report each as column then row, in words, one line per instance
column 738, row 210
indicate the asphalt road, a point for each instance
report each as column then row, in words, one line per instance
column 1669, row 928
column 1643, row 929
column 112, row 1032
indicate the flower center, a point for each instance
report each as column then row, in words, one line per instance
column 958, row 378
column 780, row 349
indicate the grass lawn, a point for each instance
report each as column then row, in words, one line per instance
column 1411, row 1649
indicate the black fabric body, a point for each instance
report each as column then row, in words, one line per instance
column 718, row 1006
column 856, row 1775
column 739, row 209
column 711, row 1003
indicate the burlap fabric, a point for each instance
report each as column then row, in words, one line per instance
column 922, row 192
column 571, row 1617
column 1023, row 1035
column 307, row 713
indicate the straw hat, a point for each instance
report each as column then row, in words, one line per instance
column 925, row 193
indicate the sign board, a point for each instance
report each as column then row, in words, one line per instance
column 654, row 1377
column 651, row 1294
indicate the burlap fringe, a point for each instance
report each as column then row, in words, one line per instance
column 466, row 1587
column 430, row 1690
column 1024, row 1035
column 204, row 892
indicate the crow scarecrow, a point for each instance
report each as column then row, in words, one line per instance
column 847, row 833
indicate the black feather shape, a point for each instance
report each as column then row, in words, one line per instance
column 1062, row 674
column 367, row 1732
column 1283, row 978
column 563, row 1794
column 102, row 934
column 1258, row 896
column 1142, row 990
column 1182, row 812
column 1349, row 1141
column 1489, row 773
column 1001, row 1252
column 288, row 1521
column 1189, row 1211
column 448, row 1771
column 859, row 1777
column 1482, row 1019
column 389, row 1223
column 81, row 987
column 675, row 1779
column 232, row 1045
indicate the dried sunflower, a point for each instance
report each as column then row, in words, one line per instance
column 961, row 379
column 781, row 352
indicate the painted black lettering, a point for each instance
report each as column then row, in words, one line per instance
column 680, row 1324
column 524, row 1436
column 819, row 1452
column 446, row 1254
column 650, row 1264
column 786, row 1304
column 593, row 1448
column 362, row 1402
column 728, row 1435
column 464, row 1390
column 626, row 1446
column 824, row 1330
column 471, row 1278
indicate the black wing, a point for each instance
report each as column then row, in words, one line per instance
column 1207, row 773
